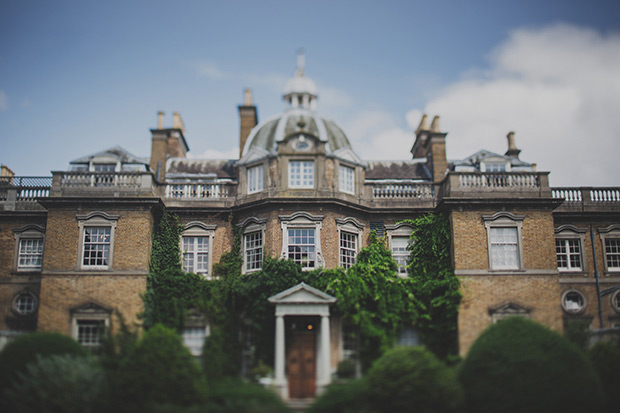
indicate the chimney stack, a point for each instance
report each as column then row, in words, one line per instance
column 167, row 143
column 248, row 117
column 512, row 151
column 431, row 144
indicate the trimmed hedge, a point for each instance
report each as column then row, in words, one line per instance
column 517, row 365
column 342, row 397
column 605, row 358
column 412, row 379
column 24, row 349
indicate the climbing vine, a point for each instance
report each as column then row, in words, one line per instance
column 433, row 283
column 170, row 292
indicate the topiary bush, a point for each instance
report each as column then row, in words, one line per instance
column 412, row 379
column 58, row 383
column 517, row 365
column 233, row 396
column 605, row 358
column 342, row 397
column 24, row 349
column 160, row 370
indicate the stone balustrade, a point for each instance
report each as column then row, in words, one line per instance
column 102, row 184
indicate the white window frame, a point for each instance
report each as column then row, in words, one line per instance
column 196, row 229
column 612, row 232
column 572, row 233
column 249, row 227
column 97, row 219
column 569, row 308
column 256, row 178
column 346, row 179
column 305, row 180
column 303, row 220
column 504, row 220
column 399, row 231
column 349, row 226
column 89, row 312
column 28, row 233
column 17, row 307
column 495, row 163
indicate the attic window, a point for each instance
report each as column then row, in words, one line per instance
column 495, row 167
column 104, row 167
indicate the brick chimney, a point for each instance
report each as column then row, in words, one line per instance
column 167, row 143
column 512, row 151
column 248, row 117
column 430, row 143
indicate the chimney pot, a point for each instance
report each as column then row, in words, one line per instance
column 435, row 124
column 160, row 120
column 423, row 124
column 247, row 97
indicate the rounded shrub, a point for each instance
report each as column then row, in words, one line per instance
column 605, row 358
column 342, row 397
column 58, row 383
column 24, row 350
column 408, row 379
column 160, row 370
column 517, row 365
column 234, row 395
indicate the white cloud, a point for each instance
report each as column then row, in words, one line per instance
column 4, row 102
column 331, row 98
column 557, row 87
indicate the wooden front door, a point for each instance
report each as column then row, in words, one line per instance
column 301, row 365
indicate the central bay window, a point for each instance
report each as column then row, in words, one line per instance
column 301, row 174
column 96, row 240
column 196, row 244
column 256, row 179
column 504, row 241
column 301, row 239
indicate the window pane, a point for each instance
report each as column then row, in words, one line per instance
column 30, row 254
column 612, row 253
column 96, row 246
column 301, row 174
column 196, row 255
column 253, row 251
column 255, row 179
column 400, row 253
column 301, row 248
column 89, row 332
column 504, row 248
column 346, row 179
column 348, row 249
column 568, row 253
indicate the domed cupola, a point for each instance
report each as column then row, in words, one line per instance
column 300, row 91
column 300, row 117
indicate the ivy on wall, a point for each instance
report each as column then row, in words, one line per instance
column 434, row 283
column 371, row 296
column 170, row 292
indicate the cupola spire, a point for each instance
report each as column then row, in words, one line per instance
column 300, row 91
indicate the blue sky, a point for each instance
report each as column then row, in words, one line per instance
column 77, row 77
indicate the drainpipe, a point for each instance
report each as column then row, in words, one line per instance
column 598, row 286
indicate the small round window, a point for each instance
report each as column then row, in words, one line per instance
column 25, row 303
column 615, row 301
column 573, row 301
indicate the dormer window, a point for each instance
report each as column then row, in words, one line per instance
column 256, row 179
column 104, row 167
column 493, row 167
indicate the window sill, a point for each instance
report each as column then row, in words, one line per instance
column 581, row 273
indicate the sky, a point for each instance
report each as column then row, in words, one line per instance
column 79, row 77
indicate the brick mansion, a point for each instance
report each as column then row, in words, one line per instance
column 75, row 246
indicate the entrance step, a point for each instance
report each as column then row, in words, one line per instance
column 299, row 405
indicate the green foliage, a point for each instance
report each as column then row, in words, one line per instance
column 517, row 365
column 165, row 254
column 24, row 349
column 577, row 330
column 605, row 357
column 342, row 397
column 170, row 292
column 232, row 396
column 346, row 369
column 433, row 283
column 411, row 379
column 372, row 297
column 58, row 383
column 221, row 354
column 160, row 370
